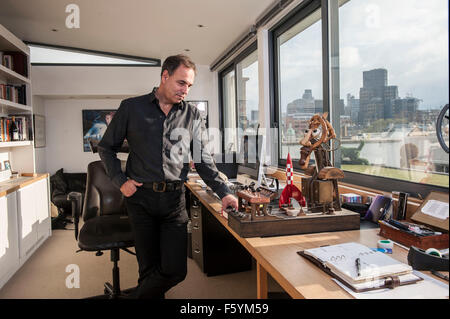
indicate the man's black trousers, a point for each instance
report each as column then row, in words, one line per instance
column 159, row 222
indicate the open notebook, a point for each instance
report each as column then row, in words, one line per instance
column 377, row 270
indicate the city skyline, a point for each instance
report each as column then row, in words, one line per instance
column 380, row 102
column 310, row 93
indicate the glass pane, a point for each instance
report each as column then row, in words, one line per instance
column 300, row 81
column 248, row 95
column 40, row 54
column 229, row 111
column 394, row 78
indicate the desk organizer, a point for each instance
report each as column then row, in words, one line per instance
column 406, row 239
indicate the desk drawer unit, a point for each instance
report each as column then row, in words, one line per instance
column 196, row 224
column 214, row 249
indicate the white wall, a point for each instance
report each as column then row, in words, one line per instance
column 64, row 132
column 88, row 87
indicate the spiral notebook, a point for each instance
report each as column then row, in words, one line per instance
column 376, row 270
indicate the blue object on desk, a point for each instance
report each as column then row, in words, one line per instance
column 383, row 250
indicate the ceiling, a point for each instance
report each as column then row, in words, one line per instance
column 146, row 28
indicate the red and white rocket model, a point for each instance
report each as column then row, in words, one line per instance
column 290, row 191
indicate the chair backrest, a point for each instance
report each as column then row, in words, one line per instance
column 102, row 197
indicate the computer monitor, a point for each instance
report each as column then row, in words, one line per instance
column 251, row 157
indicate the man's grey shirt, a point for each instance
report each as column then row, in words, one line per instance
column 159, row 145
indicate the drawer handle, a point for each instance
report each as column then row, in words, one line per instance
column 195, row 214
column 196, row 226
column 197, row 251
column 194, row 206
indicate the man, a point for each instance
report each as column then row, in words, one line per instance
column 160, row 128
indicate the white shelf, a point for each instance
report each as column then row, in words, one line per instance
column 8, row 107
column 9, row 42
column 15, row 143
column 21, row 154
column 12, row 76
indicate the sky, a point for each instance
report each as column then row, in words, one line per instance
column 409, row 38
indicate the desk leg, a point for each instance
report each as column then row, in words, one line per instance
column 261, row 281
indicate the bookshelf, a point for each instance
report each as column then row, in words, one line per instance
column 24, row 201
column 15, row 78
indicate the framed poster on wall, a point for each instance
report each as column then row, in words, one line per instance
column 39, row 130
column 95, row 123
column 203, row 108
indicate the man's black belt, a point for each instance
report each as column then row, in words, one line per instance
column 161, row 187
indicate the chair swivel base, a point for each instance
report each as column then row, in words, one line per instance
column 110, row 294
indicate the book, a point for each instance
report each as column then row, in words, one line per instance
column 377, row 270
column 16, row 61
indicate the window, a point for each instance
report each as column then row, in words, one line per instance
column 41, row 54
column 229, row 110
column 394, row 80
column 240, row 99
column 247, row 94
column 381, row 71
column 298, row 52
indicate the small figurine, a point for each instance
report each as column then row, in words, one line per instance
column 318, row 133
column 321, row 189
column 290, row 191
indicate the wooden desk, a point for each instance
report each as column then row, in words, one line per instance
column 278, row 256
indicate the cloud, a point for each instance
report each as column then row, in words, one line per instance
column 349, row 57
column 406, row 37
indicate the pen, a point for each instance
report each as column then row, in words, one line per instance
column 358, row 266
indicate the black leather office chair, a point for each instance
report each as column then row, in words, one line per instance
column 106, row 225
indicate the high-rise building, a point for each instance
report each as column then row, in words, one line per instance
column 375, row 79
column 407, row 108
column 353, row 106
column 376, row 98
column 304, row 105
column 390, row 95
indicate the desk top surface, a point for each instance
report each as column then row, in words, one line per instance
column 278, row 254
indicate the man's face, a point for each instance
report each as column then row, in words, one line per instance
column 108, row 118
column 177, row 85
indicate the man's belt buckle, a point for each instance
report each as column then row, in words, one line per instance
column 159, row 187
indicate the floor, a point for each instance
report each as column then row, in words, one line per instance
column 56, row 271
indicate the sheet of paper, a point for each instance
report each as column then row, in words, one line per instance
column 429, row 288
column 436, row 209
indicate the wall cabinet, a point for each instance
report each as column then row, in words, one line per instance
column 33, row 214
column 25, row 223
column 9, row 236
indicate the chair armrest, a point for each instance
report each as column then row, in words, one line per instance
column 75, row 199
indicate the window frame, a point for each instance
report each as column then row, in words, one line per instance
column 331, row 82
column 155, row 62
column 232, row 66
column 298, row 14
